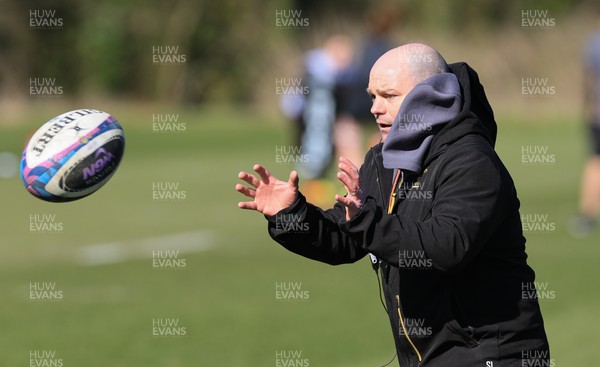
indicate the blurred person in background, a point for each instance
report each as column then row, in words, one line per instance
column 589, row 200
column 315, row 112
column 353, row 102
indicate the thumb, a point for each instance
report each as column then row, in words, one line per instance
column 294, row 179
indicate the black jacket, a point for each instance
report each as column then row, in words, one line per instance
column 453, row 262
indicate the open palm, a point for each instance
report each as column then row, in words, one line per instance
column 269, row 193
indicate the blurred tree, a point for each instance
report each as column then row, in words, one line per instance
column 106, row 48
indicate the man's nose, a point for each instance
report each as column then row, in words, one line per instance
column 378, row 108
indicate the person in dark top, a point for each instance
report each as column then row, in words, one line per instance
column 352, row 102
column 436, row 210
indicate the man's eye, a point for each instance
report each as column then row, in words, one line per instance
column 372, row 96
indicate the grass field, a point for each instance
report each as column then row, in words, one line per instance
column 224, row 296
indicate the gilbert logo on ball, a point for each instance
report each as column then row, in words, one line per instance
column 72, row 155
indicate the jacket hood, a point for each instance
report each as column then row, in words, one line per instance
column 425, row 111
column 475, row 116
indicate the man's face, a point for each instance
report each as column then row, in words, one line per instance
column 388, row 86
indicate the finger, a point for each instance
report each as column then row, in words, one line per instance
column 251, row 193
column 348, row 162
column 249, row 205
column 349, row 185
column 294, row 179
column 249, row 178
column 351, row 174
column 344, row 200
column 341, row 199
column 263, row 173
column 349, row 168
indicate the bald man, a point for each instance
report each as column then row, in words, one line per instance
column 436, row 210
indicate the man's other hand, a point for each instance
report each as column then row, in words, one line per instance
column 348, row 176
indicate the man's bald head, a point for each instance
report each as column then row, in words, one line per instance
column 414, row 62
column 395, row 74
column 423, row 61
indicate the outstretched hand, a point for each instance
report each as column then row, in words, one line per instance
column 269, row 194
column 349, row 177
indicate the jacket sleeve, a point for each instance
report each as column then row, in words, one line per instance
column 314, row 233
column 473, row 193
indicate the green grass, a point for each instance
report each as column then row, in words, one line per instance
column 225, row 296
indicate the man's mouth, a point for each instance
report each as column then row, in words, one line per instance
column 382, row 123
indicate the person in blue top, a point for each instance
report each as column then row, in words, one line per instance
column 589, row 200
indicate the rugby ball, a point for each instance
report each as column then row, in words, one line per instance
column 72, row 155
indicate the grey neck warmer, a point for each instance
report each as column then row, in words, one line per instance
column 423, row 113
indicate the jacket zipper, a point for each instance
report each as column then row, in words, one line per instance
column 374, row 162
column 391, row 205
column 406, row 331
column 394, row 193
column 390, row 208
